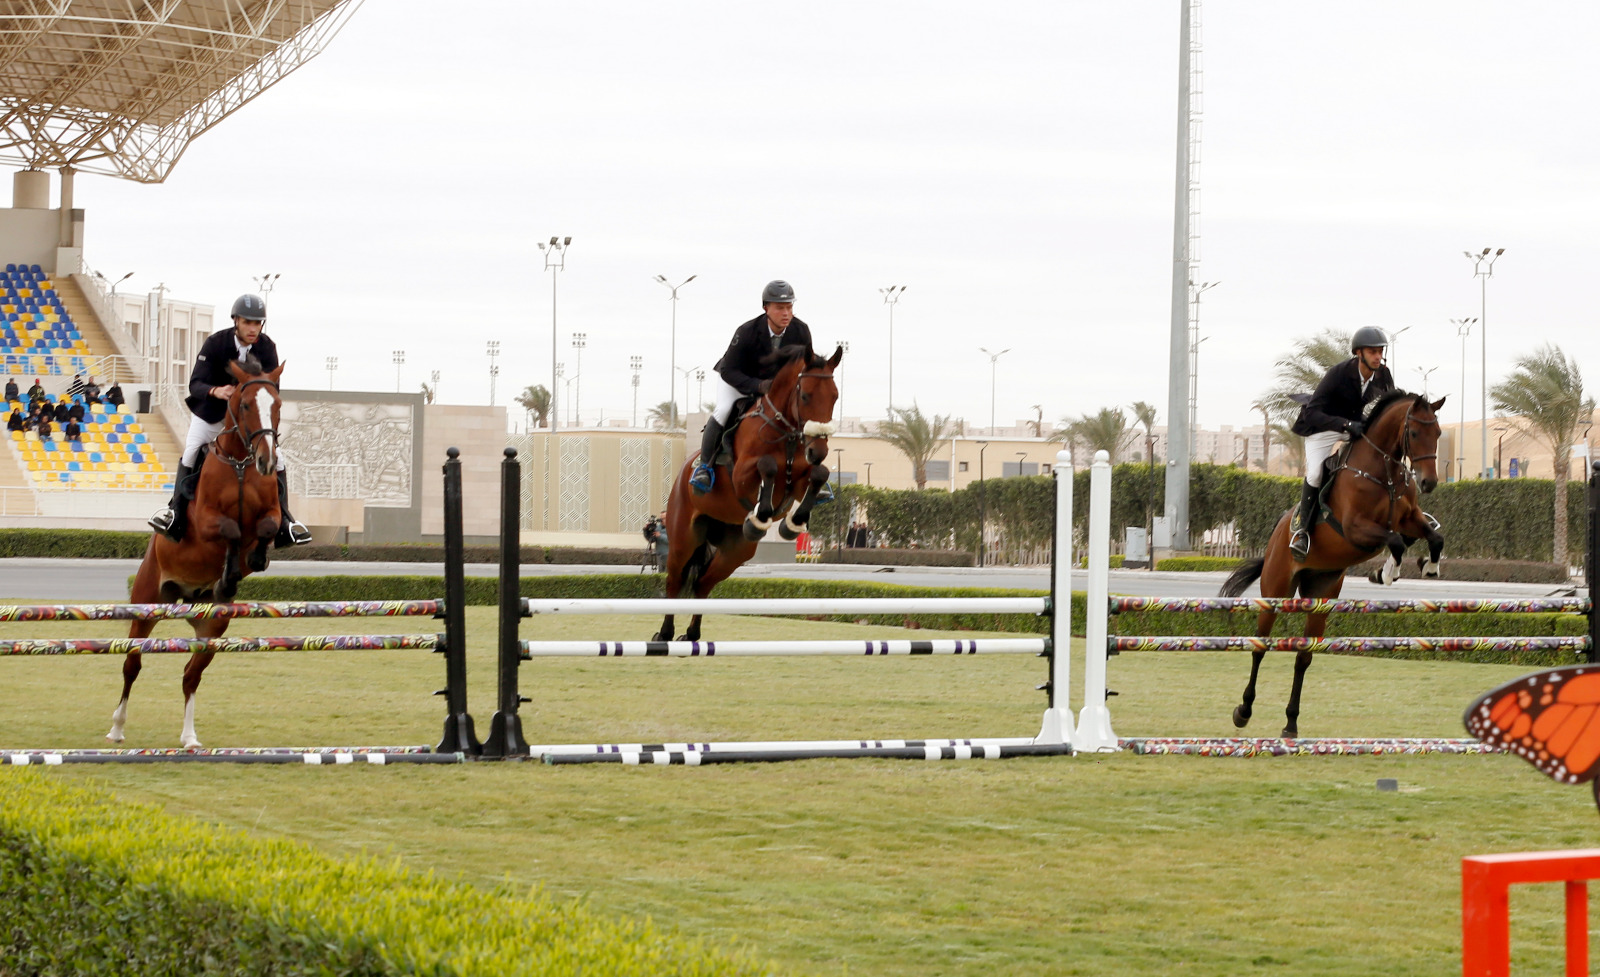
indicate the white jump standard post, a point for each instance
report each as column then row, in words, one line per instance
column 1057, row 724
column 1094, row 720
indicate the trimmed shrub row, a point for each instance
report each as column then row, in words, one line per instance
column 483, row 591
column 96, row 885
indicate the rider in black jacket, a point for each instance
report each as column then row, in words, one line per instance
column 210, row 386
column 741, row 371
column 1334, row 414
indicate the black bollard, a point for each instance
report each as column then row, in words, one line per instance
column 459, row 736
column 1591, row 571
column 505, row 730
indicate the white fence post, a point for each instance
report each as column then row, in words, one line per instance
column 1057, row 725
column 1094, row 720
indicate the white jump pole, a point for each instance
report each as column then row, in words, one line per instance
column 1057, row 724
column 1094, row 720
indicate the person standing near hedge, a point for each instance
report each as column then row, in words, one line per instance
column 1334, row 414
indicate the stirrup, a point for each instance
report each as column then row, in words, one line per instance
column 703, row 478
column 162, row 521
column 299, row 535
column 1300, row 542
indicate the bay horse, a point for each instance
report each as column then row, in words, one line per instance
column 779, row 449
column 233, row 517
column 1370, row 502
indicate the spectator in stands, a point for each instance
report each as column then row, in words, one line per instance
column 75, row 388
column 15, row 421
column 114, row 395
column 91, row 391
column 210, row 386
column 75, row 412
column 73, row 432
column 12, row 393
column 61, row 411
column 36, row 392
column 35, row 412
column 44, row 427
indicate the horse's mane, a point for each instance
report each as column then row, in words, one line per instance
column 251, row 366
column 1377, row 407
column 788, row 354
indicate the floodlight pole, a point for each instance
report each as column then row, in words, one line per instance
column 891, row 297
column 1463, row 328
column 555, row 261
column 672, row 354
column 1483, row 268
column 635, row 363
column 399, row 361
column 993, row 358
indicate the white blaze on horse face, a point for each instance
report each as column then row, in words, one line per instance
column 264, row 410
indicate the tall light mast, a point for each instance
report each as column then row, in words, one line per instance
column 1185, row 261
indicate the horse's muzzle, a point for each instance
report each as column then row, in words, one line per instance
column 1428, row 484
column 817, row 451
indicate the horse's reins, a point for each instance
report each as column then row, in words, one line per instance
column 788, row 433
column 242, row 465
column 1392, row 462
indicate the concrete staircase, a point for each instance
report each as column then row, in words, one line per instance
column 93, row 332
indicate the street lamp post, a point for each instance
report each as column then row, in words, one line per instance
column 555, row 262
column 579, row 341
column 1196, row 289
column 672, row 353
column 399, row 361
column 436, row 386
column 699, row 388
column 1425, row 374
column 891, row 297
column 332, row 365
column 1463, row 328
column 687, row 373
column 869, row 472
column 1498, row 445
column 635, row 363
column 1021, row 457
column 1394, row 344
column 265, row 284
column 1483, row 268
column 493, row 349
column 843, row 344
column 838, row 493
column 993, row 358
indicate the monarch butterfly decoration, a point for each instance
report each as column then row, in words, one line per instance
column 1551, row 719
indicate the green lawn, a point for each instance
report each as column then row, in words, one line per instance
column 1084, row 865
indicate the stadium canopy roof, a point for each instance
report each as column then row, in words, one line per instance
column 121, row 88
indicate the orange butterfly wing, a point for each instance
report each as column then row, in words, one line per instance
column 1550, row 718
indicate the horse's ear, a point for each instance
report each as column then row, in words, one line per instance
column 838, row 354
column 275, row 374
column 235, row 371
column 1437, row 404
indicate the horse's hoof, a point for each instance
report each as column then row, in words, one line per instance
column 688, row 637
column 785, row 532
column 752, row 532
column 1241, row 717
column 1290, row 732
column 191, row 743
column 661, row 636
column 114, row 737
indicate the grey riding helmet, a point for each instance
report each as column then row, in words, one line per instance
column 777, row 291
column 249, row 306
column 1368, row 336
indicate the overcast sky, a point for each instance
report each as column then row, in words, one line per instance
column 1012, row 164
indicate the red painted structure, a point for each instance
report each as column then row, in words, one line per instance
column 1486, row 881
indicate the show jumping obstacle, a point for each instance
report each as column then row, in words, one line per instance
column 1054, row 738
column 457, row 743
column 1094, row 723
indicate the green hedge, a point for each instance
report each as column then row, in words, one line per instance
column 89, row 543
column 95, row 885
column 484, row 591
column 1198, row 563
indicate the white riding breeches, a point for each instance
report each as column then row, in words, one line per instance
column 202, row 433
column 726, row 393
column 1318, row 447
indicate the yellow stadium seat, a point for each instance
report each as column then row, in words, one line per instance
column 16, row 435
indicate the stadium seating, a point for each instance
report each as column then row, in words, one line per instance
column 33, row 323
column 112, row 454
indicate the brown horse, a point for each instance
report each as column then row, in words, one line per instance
column 709, row 536
column 233, row 517
column 1371, row 503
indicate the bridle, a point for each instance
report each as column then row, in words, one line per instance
column 1394, row 463
column 789, row 433
column 235, row 428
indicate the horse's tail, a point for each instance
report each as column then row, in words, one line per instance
column 1247, row 573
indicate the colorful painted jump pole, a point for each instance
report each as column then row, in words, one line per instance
column 459, row 735
column 1348, row 646
column 321, row 756
column 505, row 730
column 731, row 649
column 175, row 646
column 1318, row 605
column 1240, row 746
column 192, row 612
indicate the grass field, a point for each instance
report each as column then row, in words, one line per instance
column 1084, row 865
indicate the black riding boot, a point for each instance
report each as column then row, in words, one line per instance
column 710, row 443
column 290, row 530
column 1304, row 521
column 172, row 521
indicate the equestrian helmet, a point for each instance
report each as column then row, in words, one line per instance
column 249, row 306
column 1369, row 336
column 777, row 291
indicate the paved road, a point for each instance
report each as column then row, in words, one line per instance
column 107, row 580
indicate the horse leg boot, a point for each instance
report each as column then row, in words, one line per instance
column 291, row 531
column 130, row 671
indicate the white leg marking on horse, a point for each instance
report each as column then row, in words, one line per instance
column 1391, row 570
column 1430, row 569
column 189, row 740
column 119, row 717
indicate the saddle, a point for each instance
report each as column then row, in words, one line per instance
column 731, row 431
column 1330, row 467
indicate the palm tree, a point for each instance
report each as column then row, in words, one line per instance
column 1145, row 414
column 1106, row 431
column 1266, row 433
column 428, row 393
column 1545, row 393
column 664, row 416
column 1302, row 370
column 916, row 436
column 536, row 401
column 1294, row 442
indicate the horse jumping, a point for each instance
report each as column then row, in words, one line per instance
column 777, row 470
column 233, row 517
column 1371, row 503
